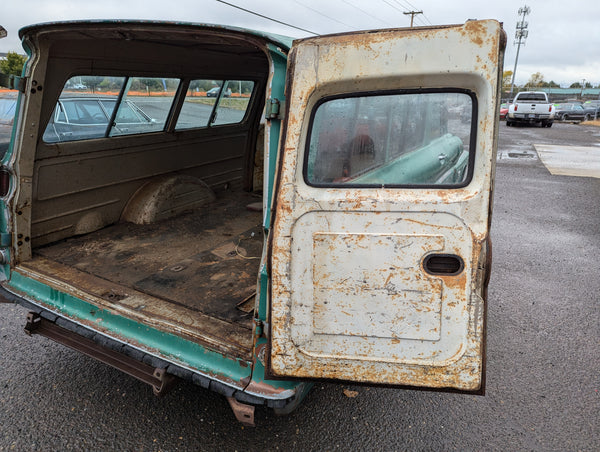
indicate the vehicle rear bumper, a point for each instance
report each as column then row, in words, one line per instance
column 530, row 118
column 130, row 359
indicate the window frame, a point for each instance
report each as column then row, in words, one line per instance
column 350, row 185
column 215, row 107
column 170, row 124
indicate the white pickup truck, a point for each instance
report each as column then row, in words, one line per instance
column 531, row 107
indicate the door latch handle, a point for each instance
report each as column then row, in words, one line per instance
column 443, row 264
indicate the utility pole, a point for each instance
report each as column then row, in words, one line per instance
column 412, row 15
column 520, row 35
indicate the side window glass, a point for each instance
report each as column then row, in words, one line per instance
column 404, row 139
column 81, row 112
column 145, row 106
column 61, row 116
column 198, row 104
column 233, row 98
column 85, row 111
column 8, row 108
column 234, row 102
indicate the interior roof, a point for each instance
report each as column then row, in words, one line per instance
column 151, row 30
column 146, row 50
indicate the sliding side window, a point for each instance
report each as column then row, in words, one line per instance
column 215, row 102
column 145, row 106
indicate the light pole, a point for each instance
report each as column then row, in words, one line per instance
column 520, row 35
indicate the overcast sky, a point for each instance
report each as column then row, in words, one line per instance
column 563, row 42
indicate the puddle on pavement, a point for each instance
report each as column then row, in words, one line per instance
column 528, row 155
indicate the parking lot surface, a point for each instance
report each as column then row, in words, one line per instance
column 543, row 364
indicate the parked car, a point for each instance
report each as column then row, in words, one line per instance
column 531, row 107
column 8, row 104
column 85, row 117
column 214, row 92
column 591, row 109
column 569, row 112
column 503, row 111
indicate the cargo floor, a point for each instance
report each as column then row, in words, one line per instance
column 205, row 261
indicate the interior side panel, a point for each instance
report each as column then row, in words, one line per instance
column 162, row 227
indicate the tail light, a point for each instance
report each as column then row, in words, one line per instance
column 516, row 107
column 550, row 109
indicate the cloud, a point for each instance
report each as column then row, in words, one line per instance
column 562, row 43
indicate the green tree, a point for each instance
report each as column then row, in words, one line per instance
column 575, row 85
column 247, row 87
column 93, row 82
column 506, row 80
column 13, row 64
column 536, row 79
column 149, row 85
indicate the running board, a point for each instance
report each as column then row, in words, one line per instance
column 155, row 377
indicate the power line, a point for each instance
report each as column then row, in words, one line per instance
column 427, row 19
column 266, row 17
column 420, row 21
column 410, row 4
column 324, row 15
column 406, row 5
column 393, row 6
column 367, row 13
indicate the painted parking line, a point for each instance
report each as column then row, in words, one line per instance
column 582, row 161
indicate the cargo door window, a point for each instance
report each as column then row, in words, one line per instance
column 391, row 139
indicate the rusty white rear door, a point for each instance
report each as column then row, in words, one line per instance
column 379, row 241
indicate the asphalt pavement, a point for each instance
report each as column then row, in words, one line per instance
column 543, row 366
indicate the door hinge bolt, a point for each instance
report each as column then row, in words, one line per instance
column 272, row 108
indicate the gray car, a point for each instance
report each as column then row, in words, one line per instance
column 8, row 105
column 85, row 117
column 591, row 109
column 569, row 112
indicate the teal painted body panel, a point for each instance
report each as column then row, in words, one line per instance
column 168, row 346
column 279, row 60
column 5, row 267
column 5, row 248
